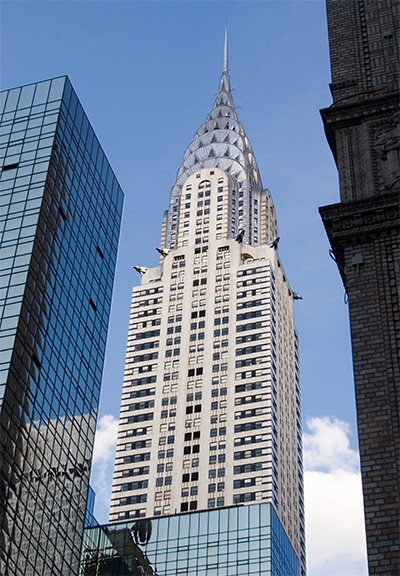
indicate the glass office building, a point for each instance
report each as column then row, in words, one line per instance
column 60, row 214
column 240, row 540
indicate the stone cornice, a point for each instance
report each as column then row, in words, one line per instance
column 362, row 218
column 361, row 110
column 344, row 115
column 357, row 222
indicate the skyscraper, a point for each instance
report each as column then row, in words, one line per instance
column 210, row 412
column 363, row 130
column 61, row 212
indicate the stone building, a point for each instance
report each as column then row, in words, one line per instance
column 363, row 130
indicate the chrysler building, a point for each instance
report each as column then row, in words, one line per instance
column 211, row 410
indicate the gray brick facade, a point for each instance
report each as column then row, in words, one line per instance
column 363, row 130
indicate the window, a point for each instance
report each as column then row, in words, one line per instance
column 246, row 468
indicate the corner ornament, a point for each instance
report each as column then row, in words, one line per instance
column 387, row 147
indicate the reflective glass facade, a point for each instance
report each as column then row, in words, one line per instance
column 240, row 540
column 60, row 217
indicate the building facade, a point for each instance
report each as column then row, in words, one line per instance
column 363, row 130
column 210, row 411
column 61, row 212
column 240, row 540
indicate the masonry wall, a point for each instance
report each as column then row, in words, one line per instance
column 363, row 130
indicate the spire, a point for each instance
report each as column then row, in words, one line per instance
column 225, row 65
column 220, row 142
column 225, row 83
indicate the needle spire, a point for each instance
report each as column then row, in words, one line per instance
column 225, row 65
column 225, row 81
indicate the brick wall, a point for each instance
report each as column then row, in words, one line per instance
column 363, row 130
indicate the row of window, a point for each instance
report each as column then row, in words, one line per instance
column 197, row 408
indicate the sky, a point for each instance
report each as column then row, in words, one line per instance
column 147, row 73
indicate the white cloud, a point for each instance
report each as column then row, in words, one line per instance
column 103, row 464
column 334, row 507
column 327, row 446
column 105, row 439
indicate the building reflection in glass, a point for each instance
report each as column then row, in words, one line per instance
column 240, row 540
column 61, row 206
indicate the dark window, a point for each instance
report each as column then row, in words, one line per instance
column 10, row 167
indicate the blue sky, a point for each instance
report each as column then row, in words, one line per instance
column 146, row 73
